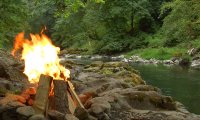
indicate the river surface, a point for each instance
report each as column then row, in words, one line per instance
column 181, row 83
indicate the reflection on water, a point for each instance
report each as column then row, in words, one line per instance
column 181, row 83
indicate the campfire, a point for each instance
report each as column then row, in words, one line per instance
column 52, row 80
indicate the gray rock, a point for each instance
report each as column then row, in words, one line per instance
column 196, row 58
column 26, row 111
column 195, row 64
column 125, row 60
column 184, row 61
column 99, row 105
column 70, row 56
column 168, row 62
column 37, row 117
column 8, row 111
column 118, row 58
column 5, row 85
column 97, row 57
column 11, row 68
column 78, row 57
column 55, row 115
column 10, row 106
column 193, row 51
column 70, row 117
column 81, row 114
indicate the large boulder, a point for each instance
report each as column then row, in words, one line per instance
column 11, row 73
column 196, row 64
column 11, row 68
column 37, row 117
column 117, row 70
column 8, row 111
column 25, row 112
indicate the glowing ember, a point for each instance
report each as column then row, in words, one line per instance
column 40, row 57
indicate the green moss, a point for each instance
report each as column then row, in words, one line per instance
column 107, row 71
column 115, row 64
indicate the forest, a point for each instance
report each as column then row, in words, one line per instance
column 157, row 29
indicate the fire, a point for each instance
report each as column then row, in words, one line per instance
column 40, row 57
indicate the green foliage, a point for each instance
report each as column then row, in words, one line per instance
column 107, row 26
column 42, row 14
column 182, row 24
column 119, row 25
column 158, row 53
column 196, row 43
column 13, row 19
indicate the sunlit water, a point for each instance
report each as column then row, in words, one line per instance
column 181, row 83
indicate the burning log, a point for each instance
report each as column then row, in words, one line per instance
column 60, row 98
column 41, row 98
column 65, row 99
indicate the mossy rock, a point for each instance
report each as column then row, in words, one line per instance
column 123, row 73
column 137, row 79
column 131, row 69
column 147, row 88
column 116, row 64
column 70, row 62
column 92, row 69
column 107, row 71
column 134, row 78
column 164, row 102
column 97, row 64
column 113, row 71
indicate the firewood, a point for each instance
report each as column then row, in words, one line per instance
column 64, row 99
column 41, row 98
column 74, row 95
column 61, row 101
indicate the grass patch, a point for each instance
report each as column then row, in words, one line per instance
column 158, row 53
column 196, row 43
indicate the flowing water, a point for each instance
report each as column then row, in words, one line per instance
column 181, row 83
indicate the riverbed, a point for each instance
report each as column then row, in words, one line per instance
column 182, row 84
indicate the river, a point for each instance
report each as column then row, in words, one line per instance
column 181, row 83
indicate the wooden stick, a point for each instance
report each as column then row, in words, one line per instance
column 74, row 95
column 41, row 98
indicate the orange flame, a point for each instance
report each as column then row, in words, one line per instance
column 40, row 57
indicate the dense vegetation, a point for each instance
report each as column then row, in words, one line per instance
column 149, row 28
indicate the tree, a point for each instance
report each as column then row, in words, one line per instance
column 112, row 25
column 183, row 22
column 13, row 19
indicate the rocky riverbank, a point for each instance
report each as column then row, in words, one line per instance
column 193, row 54
column 108, row 90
